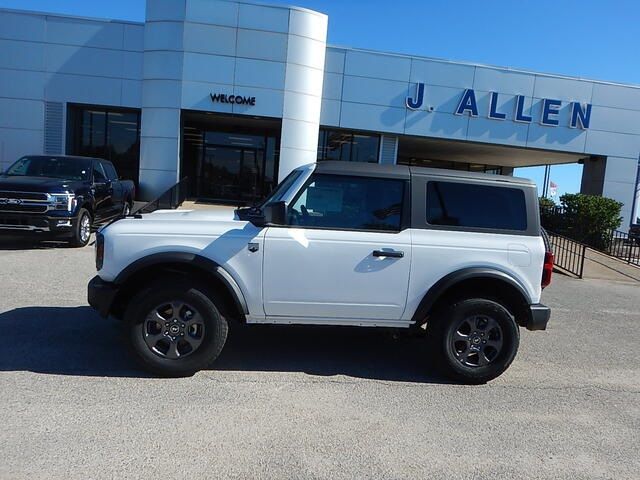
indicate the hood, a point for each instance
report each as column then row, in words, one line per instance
column 17, row 183
column 217, row 213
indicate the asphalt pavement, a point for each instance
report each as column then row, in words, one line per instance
column 302, row 402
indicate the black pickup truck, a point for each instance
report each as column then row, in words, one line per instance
column 62, row 196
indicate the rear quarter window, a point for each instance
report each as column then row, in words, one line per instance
column 469, row 205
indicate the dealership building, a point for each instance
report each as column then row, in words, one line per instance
column 233, row 95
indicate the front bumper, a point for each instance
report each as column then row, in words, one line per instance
column 101, row 295
column 32, row 223
column 538, row 317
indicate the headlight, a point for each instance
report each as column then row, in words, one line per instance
column 63, row 201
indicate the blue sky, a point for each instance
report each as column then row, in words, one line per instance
column 595, row 39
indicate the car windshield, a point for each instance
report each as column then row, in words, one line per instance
column 65, row 168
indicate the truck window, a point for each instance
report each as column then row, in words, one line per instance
column 99, row 176
column 476, row 206
column 110, row 171
column 348, row 202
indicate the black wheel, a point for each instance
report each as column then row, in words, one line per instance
column 175, row 328
column 126, row 209
column 475, row 340
column 82, row 232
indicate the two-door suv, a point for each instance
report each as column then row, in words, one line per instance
column 458, row 256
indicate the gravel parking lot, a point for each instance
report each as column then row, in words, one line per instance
column 309, row 402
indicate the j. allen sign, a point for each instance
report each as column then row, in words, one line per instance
column 580, row 113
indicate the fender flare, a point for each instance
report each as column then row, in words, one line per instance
column 453, row 278
column 192, row 259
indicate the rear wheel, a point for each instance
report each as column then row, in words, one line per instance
column 475, row 340
column 126, row 210
column 176, row 328
column 82, row 232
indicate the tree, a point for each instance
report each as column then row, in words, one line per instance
column 590, row 218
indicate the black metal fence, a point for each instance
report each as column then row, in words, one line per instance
column 624, row 247
column 568, row 254
column 171, row 199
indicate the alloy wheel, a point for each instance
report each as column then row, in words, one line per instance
column 173, row 330
column 477, row 341
column 85, row 228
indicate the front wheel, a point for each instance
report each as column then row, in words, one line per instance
column 475, row 340
column 176, row 328
column 82, row 231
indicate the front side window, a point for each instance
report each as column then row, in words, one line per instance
column 476, row 206
column 347, row 202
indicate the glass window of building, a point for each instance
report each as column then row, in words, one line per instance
column 347, row 146
column 109, row 133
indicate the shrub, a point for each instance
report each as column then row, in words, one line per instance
column 590, row 218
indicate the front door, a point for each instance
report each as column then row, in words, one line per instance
column 343, row 254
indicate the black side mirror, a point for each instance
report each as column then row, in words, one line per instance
column 274, row 213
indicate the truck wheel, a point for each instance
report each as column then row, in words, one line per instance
column 82, row 232
column 475, row 340
column 175, row 328
column 126, row 210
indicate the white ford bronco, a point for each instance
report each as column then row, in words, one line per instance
column 457, row 256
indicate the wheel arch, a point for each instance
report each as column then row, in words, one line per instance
column 193, row 265
column 476, row 282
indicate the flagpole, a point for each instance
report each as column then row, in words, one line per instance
column 545, row 186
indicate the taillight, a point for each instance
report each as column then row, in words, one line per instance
column 99, row 250
column 547, row 269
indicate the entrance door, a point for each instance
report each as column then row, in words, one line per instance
column 230, row 173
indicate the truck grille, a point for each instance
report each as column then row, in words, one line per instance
column 23, row 202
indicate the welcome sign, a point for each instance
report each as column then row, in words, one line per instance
column 468, row 104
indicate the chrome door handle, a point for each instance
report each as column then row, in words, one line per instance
column 388, row 253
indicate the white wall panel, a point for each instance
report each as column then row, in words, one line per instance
column 436, row 124
column 16, row 113
column 307, row 24
column 302, row 107
column 212, row 39
column 213, row 11
column 16, row 26
column 162, row 65
column 332, row 86
column 158, row 153
column 441, row 73
column 622, row 192
column 132, row 65
column 504, row 81
column 497, row 131
column 155, row 182
column 615, row 120
column 298, row 133
column 165, row 9
column 208, row 68
column 21, row 55
column 303, row 79
column 83, row 61
column 334, row 60
column 562, row 89
column 616, row 96
column 377, row 65
column 306, row 51
column 612, row 144
column 262, row 17
column 82, row 89
column 374, row 91
column 259, row 73
column 620, row 169
column 161, row 93
column 16, row 143
column 163, row 36
column 330, row 113
column 262, row 45
column 85, row 33
column 22, row 84
column 160, row 122
column 372, row 117
column 133, row 37
column 131, row 93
